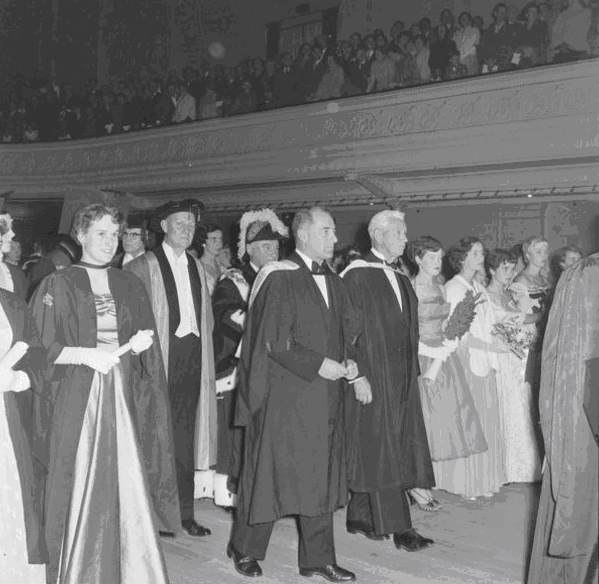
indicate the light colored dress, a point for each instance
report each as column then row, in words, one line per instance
column 110, row 535
column 484, row 473
column 14, row 563
column 521, row 445
column 452, row 423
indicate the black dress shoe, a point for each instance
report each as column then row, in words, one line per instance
column 245, row 565
column 358, row 529
column 192, row 527
column 411, row 541
column 332, row 573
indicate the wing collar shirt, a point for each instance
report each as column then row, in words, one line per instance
column 6, row 278
column 189, row 322
column 391, row 277
column 320, row 280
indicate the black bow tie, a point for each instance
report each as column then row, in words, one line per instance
column 321, row 269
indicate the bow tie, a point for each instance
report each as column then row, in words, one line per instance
column 321, row 269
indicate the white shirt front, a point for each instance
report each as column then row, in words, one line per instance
column 6, row 282
column 189, row 322
column 129, row 257
column 391, row 277
column 321, row 281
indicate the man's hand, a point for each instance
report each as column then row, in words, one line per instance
column 99, row 360
column 332, row 370
column 363, row 391
column 352, row 369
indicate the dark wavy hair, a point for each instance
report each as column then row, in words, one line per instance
column 417, row 248
column 458, row 251
column 497, row 257
column 87, row 216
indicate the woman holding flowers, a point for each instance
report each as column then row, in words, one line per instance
column 480, row 474
column 452, row 422
column 512, row 314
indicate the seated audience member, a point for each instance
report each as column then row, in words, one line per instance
column 210, row 104
column 332, row 80
column 359, row 73
column 314, row 72
column 455, row 69
column 426, row 30
column 467, row 38
column 382, row 72
column 448, row 21
column 421, row 56
column 259, row 78
column 34, row 257
column 12, row 277
column 569, row 35
column 284, row 82
column 369, row 46
column 533, row 37
column 396, row 30
column 161, row 106
column 185, row 104
column 440, row 53
column 355, row 40
column 246, row 101
column 498, row 42
column 562, row 259
column 133, row 240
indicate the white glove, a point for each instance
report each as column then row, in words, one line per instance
column 11, row 380
column 141, row 341
column 440, row 353
column 451, row 345
column 96, row 359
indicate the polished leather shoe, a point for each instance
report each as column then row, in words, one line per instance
column 332, row 573
column 411, row 541
column 245, row 565
column 192, row 527
column 359, row 530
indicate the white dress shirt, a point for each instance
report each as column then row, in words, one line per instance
column 321, row 281
column 189, row 322
column 391, row 277
column 6, row 282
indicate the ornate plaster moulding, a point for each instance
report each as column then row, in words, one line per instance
column 527, row 116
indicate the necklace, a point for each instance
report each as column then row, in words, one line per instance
column 92, row 266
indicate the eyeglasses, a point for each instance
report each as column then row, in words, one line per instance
column 131, row 235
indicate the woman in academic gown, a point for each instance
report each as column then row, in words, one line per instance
column 109, row 418
column 21, row 542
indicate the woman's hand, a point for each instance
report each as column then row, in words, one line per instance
column 141, row 341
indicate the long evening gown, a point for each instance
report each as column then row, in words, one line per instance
column 14, row 563
column 109, row 536
column 452, row 422
column 522, row 457
column 484, row 473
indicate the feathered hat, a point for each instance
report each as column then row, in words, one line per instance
column 262, row 225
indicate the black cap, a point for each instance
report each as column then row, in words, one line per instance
column 262, row 231
column 192, row 206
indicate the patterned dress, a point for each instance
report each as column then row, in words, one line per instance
column 452, row 422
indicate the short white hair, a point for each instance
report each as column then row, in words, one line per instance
column 381, row 220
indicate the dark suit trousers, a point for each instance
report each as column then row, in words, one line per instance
column 184, row 366
column 383, row 512
column 316, row 545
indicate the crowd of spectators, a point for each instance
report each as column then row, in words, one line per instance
column 40, row 110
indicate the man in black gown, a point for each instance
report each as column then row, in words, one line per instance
column 387, row 442
column 295, row 353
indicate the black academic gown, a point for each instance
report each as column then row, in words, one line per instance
column 294, row 457
column 227, row 299
column 387, row 441
column 20, row 418
column 64, row 314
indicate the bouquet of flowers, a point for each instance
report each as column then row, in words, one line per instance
column 517, row 337
column 461, row 318
column 458, row 325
